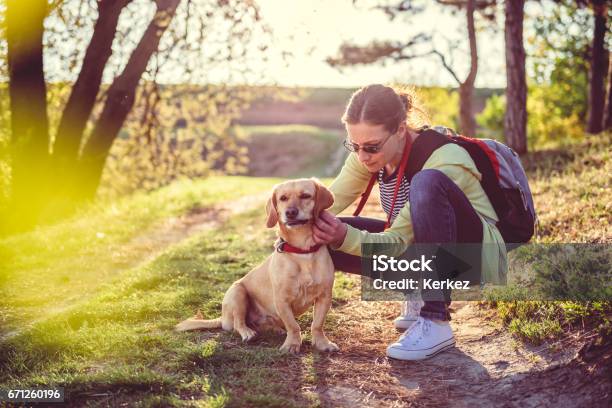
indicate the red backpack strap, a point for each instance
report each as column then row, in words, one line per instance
column 483, row 146
column 365, row 195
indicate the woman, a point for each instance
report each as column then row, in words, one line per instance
column 444, row 203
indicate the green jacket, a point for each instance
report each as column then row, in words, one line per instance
column 456, row 163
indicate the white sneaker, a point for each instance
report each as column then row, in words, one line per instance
column 410, row 311
column 424, row 339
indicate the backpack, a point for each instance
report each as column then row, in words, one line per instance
column 503, row 179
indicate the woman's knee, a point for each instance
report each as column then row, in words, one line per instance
column 427, row 185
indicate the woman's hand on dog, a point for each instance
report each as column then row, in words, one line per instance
column 329, row 230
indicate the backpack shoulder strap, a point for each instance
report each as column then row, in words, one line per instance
column 488, row 165
column 365, row 195
column 423, row 146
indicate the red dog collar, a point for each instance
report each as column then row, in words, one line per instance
column 283, row 246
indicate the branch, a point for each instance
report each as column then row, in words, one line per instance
column 403, row 6
column 472, row 38
column 445, row 65
column 350, row 54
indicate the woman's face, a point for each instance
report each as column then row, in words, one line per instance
column 364, row 134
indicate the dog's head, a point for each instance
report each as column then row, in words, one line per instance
column 297, row 202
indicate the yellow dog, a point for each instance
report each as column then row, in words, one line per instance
column 295, row 276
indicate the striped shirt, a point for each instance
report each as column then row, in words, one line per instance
column 386, row 186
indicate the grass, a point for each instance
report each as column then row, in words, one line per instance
column 117, row 346
column 64, row 263
column 293, row 150
column 571, row 189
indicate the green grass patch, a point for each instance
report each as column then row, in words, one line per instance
column 293, row 150
column 62, row 264
column 539, row 321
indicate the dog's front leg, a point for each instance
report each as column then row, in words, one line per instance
column 321, row 307
column 294, row 338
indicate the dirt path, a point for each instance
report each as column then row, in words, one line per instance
column 487, row 367
column 147, row 245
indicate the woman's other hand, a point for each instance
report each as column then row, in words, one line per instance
column 329, row 230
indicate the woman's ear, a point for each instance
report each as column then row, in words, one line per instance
column 323, row 198
column 271, row 211
column 402, row 130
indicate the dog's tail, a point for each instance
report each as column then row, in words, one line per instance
column 197, row 322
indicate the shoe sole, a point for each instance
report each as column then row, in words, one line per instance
column 414, row 355
column 449, row 346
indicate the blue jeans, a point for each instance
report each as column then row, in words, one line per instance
column 440, row 212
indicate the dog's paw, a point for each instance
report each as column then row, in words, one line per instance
column 327, row 346
column 247, row 334
column 293, row 348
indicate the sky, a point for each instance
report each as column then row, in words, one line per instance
column 315, row 29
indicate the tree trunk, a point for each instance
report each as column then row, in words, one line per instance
column 120, row 99
column 466, row 115
column 466, row 89
column 599, row 68
column 81, row 103
column 608, row 116
column 515, row 121
column 84, row 91
column 29, row 121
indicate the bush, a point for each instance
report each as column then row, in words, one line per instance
column 491, row 119
column 538, row 321
column 548, row 123
column 442, row 106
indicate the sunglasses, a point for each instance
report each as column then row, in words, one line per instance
column 371, row 149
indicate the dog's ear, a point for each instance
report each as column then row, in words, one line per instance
column 323, row 198
column 271, row 211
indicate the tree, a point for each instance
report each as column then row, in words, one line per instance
column 52, row 171
column 597, row 56
column 582, row 47
column 120, row 100
column 515, row 121
column 599, row 68
column 608, row 115
column 27, row 89
column 377, row 51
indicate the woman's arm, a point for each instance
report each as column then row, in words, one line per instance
column 349, row 184
column 400, row 233
column 453, row 161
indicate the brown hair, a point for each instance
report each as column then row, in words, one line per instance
column 378, row 104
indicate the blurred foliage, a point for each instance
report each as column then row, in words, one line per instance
column 492, row 118
column 189, row 134
column 5, row 169
column 547, row 124
column 442, row 105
